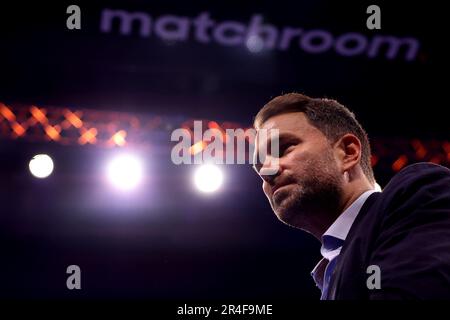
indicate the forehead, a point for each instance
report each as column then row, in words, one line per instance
column 294, row 123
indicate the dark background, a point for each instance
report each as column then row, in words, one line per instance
column 167, row 240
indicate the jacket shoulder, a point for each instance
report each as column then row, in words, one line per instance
column 418, row 172
column 420, row 181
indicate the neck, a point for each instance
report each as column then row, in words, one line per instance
column 353, row 194
column 321, row 221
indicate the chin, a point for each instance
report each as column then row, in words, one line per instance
column 286, row 215
column 289, row 210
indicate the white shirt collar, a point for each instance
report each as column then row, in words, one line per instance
column 341, row 226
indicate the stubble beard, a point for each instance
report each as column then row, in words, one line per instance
column 314, row 196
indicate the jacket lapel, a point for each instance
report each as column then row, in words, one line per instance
column 337, row 274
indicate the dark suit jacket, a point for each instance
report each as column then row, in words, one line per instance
column 405, row 230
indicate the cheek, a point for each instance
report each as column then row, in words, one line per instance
column 294, row 160
column 299, row 163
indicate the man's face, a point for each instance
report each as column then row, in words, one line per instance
column 307, row 185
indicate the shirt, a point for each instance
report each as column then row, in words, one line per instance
column 339, row 229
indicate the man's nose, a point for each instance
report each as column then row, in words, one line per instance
column 270, row 169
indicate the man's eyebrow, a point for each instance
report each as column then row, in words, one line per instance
column 283, row 138
column 286, row 137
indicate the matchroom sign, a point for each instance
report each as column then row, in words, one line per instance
column 256, row 34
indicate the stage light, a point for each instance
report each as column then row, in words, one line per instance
column 41, row 166
column 208, row 178
column 254, row 44
column 125, row 172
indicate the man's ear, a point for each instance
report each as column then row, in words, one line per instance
column 348, row 151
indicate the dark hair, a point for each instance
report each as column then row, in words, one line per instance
column 329, row 116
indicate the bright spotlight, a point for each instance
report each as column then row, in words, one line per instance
column 125, row 172
column 254, row 44
column 41, row 166
column 208, row 178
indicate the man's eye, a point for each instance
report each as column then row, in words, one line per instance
column 284, row 149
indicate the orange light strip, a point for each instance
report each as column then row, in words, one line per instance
column 119, row 129
column 88, row 136
column 399, row 163
column 39, row 114
column 118, row 138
